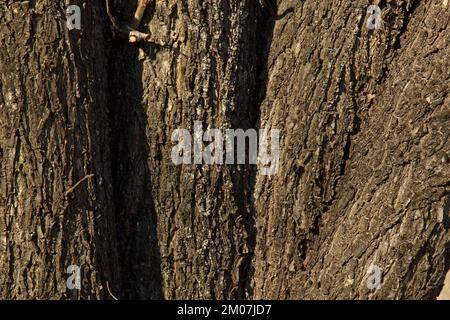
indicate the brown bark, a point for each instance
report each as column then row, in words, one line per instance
column 365, row 118
column 364, row 173
column 53, row 133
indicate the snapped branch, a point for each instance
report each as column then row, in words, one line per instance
column 129, row 31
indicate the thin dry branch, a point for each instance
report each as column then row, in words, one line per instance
column 78, row 183
column 128, row 31
column 109, row 291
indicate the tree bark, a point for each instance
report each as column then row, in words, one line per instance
column 365, row 146
column 363, row 176
column 54, row 133
column 196, row 217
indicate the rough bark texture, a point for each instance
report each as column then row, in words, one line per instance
column 368, row 178
column 364, row 174
column 197, row 217
column 53, row 132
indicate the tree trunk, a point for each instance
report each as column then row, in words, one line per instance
column 364, row 117
column 54, row 134
column 363, row 179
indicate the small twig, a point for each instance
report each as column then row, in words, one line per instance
column 128, row 31
column 137, row 36
column 109, row 291
column 111, row 17
column 78, row 183
column 139, row 14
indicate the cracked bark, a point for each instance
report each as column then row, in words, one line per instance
column 364, row 175
column 55, row 184
column 129, row 30
column 377, row 184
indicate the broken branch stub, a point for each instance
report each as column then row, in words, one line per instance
column 128, row 31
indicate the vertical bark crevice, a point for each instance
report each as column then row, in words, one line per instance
column 265, row 18
column 139, row 253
